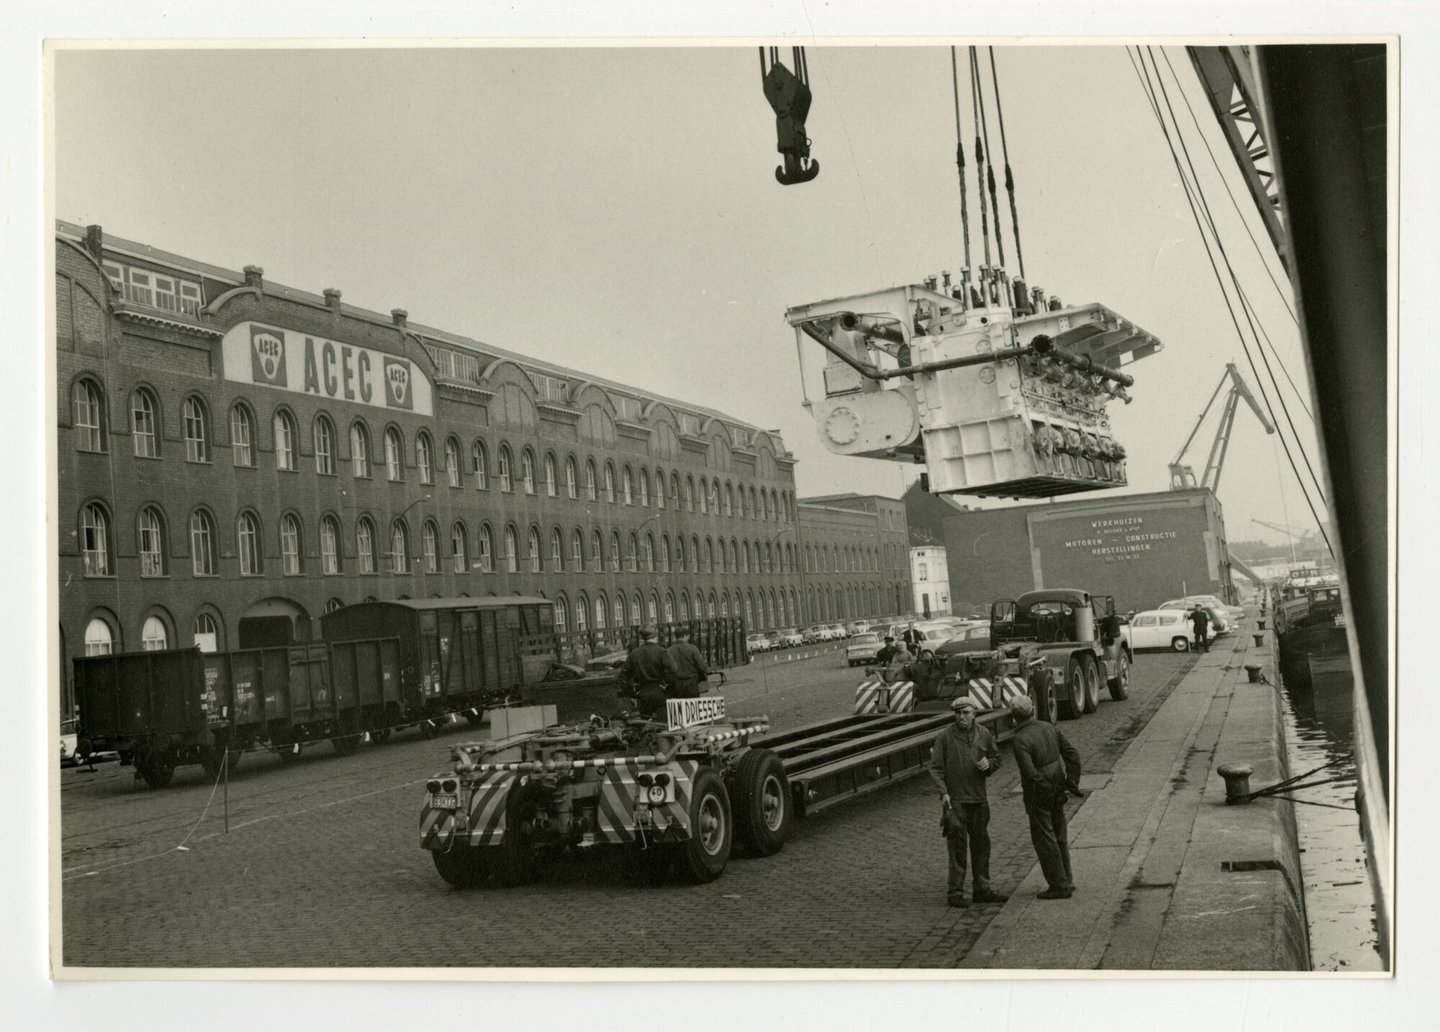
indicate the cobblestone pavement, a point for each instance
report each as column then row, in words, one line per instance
column 321, row 866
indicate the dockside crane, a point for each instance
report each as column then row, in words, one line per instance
column 1183, row 476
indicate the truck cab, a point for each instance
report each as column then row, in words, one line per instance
column 1082, row 638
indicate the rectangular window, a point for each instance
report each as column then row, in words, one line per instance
column 137, row 288
column 628, row 408
column 549, row 388
column 454, row 365
column 202, row 553
column 189, row 298
column 195, row 448
column 165, row 294
column 87, row 419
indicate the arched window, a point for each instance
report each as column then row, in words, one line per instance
column 659, row 490
column 202, row 544
column 557, row 551
column 394, row 454
column 425, row 458
column 562, row 615
column 680, row 554
column 197, row 431
column 247, row 533
column 644, row 484
column 512, row 560
column 749, row 611
column 695, row 553
column 729, row 500
column 89, row 414
column 745, row 557
column 284, row 429
column 459, row 548
column 289, row 545
column 430, row 546
column 570, row 477
column 632, row 554
column 99, row 637
column 502, row 460
column 712, row 607
column 242, row 436
column 590, row 480
column 724, row 603
column 620, row 610
column 480, row 460
column 689, row 494
column 627, row 486
column 600, row 613
column 684, row 606
column 648, row 554
column 452, row 462
column 597, row 553
column 551, row 488
column 577, row 552
column 207, row 633
column 365, row 544
column 144, row 433
column 610, row 482
column 532, row 549
column 675, row 489
column 665, row 555
column 152, row 543
column 485, row 549
column 399, row 547
column 615, row 551
column 359, row 449
column 582, row 613
column 329, row 544
column 153, row 635
column 669, row 607
column 709, row 557
column 527, row 471
column 324, row 446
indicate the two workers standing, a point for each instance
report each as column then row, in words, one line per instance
column 655, row 673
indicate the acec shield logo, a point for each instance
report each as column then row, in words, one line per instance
column 267, row 356
column 397, row 384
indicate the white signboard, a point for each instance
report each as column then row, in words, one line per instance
column 269, row 356
column 683, row 713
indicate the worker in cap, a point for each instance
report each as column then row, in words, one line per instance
column 886, row 651
column 965, row 755
column 691, row 670
column 650, row 674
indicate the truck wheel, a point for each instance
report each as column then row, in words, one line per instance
column 156, row 767
column 1120, row 683
column 703, row 856
column 459, row 865
column 1180, row 644
column 1092, row 684
column 1072, row 695
column 512, row 862
column 1042, row 693
column 762, row 803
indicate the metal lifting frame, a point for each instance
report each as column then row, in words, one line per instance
column 1182, row 476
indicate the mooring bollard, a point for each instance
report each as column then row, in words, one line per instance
column 1237, row 782
column 1259, row 638
column 1260, row 623
column 1253, row 669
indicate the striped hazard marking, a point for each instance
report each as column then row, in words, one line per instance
column 485, row 815
column 875, row 697
column 621, row 796
column 996, row 693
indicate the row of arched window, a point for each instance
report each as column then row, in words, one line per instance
column 557, row 551
column 527, row 473
column 850, row 558
column 760, row 609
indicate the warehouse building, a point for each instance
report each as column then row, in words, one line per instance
column 855, row 562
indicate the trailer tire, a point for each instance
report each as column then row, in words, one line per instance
column 459, row 865
column 1120, row 683
column 511, row 862
column 762, row 804
column 1042, row 691
column 1072, row 695
column 156, row 767
column 1092, row 683
column 702, row 857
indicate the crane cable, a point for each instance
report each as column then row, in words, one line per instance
column 1009, row 178
column 979, row 160
column 960, row 164
column 984, row 127
column 1144, row 76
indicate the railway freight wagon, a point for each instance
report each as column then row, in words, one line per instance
column 457, row 655
column 165, row 709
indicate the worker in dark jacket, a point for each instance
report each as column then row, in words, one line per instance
column 690, row 668
column 886, row 651
column 650, row 673
column 965, row 754
column 1200, row 621
column 1049, row 770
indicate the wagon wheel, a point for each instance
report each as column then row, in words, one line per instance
column 344, row 745
column 156, row 767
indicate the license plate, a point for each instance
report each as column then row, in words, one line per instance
column 444, row 801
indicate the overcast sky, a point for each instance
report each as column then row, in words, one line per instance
column 615, row 210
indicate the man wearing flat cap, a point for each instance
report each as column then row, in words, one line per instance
column 964, row 756
column 650, row 673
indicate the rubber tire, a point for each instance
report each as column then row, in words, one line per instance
column 693, row 859
column 511, row 863
column 1092, row 684
column 1120, row 683
column 460, row 865
column 1179, row 644
column 1042, row 693
column 155, row 768
column 760, row 776
column 1072, row 690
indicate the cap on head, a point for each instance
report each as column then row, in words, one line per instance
column 1022, row 708
column 964, row 703
column 889, row 637
column 647, row 634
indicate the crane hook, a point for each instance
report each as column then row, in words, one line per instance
column 789, row 95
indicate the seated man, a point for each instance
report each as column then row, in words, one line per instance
column 896, row 669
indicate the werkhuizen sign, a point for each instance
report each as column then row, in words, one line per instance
column 1115, row 540
column 272, row 357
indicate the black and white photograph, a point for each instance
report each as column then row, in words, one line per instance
column 720, row 507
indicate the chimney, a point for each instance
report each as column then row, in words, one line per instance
column 95, row 241
column 398, row 317
column 254, row 276
column 332, row 298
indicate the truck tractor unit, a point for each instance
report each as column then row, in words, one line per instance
column 1080, row 638
column 674, row 796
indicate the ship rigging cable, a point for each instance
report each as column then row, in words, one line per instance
column 979, row 157
column 1143, row 74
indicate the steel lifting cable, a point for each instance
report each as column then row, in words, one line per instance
column 960, row 164
column 979, row 159
column 1005, row 153
column 989, row 165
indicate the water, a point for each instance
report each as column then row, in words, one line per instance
column 1339, row 903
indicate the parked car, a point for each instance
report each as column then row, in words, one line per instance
column 1231, row 613
column 1220, row 620
column 838, row 632
column 776, row 642
column 757, row 643
column 790, row 637
column 974, row 638
column 857, row 627
column 862, row 648
column 68, row 740
column 813, row 635
column 1160, row 629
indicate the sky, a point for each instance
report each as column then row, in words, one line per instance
column 614, row 209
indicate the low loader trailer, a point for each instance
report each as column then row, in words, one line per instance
column 676, row 796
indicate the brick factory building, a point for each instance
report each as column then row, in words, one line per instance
column 856, row 559
column 236, row 457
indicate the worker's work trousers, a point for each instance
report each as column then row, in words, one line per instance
column 1051, row 839
column 652, row 701
column 686, row 688
column 971, row 834
column 1202, row 641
